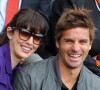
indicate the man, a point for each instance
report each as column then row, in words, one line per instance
column 57, row 9
column 65, row 71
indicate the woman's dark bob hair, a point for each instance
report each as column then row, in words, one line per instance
column 25, row 18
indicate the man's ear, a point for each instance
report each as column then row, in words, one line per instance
column 57, row 44
column 90, row 45
column 9, row 32
column 90, row 48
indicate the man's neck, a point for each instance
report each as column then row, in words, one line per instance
column 68, row 76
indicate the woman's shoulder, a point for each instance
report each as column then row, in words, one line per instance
column 1, row 52
column 2, row 61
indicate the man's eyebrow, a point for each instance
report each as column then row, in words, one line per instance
column 68, row 39
column 84, row 40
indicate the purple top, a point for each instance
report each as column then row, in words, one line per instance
column 6, row 72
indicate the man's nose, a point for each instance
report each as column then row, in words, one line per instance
column 76, row 47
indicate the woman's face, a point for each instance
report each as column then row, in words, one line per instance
column 20, row 49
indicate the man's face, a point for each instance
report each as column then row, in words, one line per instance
column 74, row 46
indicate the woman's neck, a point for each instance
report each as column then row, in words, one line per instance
column 14, row 61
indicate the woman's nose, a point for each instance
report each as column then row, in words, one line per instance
column 30, row 40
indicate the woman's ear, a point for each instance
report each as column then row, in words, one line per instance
column 9, row 32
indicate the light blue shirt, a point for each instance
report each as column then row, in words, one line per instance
column 3, row 4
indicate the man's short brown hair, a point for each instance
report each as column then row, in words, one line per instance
column 72, row 18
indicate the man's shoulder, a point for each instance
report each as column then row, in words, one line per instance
column 38, row 67
column 88, row 80
column 91, row 76
column 34, row 74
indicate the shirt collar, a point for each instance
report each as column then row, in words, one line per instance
column 56, row 70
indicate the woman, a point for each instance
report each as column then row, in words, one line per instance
column 19, row 39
